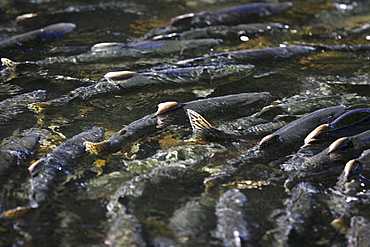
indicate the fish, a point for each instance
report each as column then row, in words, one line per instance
column 298, row 129
column 51, row 32
column 226, row 33
column 249, row 56
column 121, row 81
column 50, row 172
column 13, row 107
column 230, row 16
column 149, row 49
column 17, row 152
column 234, row 105
column 232, row 226
column 350, row 123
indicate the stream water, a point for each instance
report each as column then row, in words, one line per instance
column 176, row 210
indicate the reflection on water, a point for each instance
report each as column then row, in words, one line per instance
column 164, row 188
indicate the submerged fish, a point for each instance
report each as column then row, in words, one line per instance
column 109, row 51
column 50, row 172
column 232, row 106
column 10, row 107
column 232, row 227
column 295, row 224
column 226, row 32
column 230, row 16
column 53, row 31
column 248, row 56
column 121, row 81
column 17, row 152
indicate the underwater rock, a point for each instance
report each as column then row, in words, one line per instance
column 125, row 232
column 192, row 222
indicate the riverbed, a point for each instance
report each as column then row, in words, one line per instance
column 162, row 189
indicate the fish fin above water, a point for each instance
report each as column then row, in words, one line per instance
column 119, row 75
column 15, row 213
column 339, row 143
column 95, row 148
column 166, row 106
column 311, row 137
column 197, row 121
column 6, row 62
column 265, row 141
column 107, row 46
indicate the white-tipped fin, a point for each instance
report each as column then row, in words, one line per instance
column 313, row 134
column 119, row 75
column 348, row 168
column 107, row 45
column 8, row 63
column 336, row 144
column 165, row 106
column 181, row 17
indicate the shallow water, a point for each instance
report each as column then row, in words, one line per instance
column 78, row 216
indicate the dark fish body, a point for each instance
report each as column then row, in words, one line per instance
column 345, row 47
column 364, row 159
column 54, row 31
column 308, row 122
column 51, row 171
column 231, row 16
column 227, row 32
column 344, row 149
column 295, row 131
column 348, row 124
column 248, row 56
column 296, row 225
column 232, row 227
column 17, row 152
column 140, row 50
column 11, row 107
column 217, row 108
column 188, row 76
column 230, row 106
column 353, row 144
column 159, row 78
column 353, row 117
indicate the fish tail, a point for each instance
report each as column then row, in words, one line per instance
column 39, row 107
column 197, row 121
column 6, row 62
column 95, row 147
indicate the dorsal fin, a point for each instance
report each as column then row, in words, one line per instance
column 197, row 121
